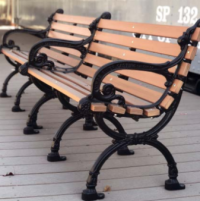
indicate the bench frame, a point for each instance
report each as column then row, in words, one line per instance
column 106, row 95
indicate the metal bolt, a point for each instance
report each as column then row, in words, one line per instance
column 174, row 85
column 188, row 52
column 124, row 54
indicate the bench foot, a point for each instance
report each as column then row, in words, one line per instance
column 173, row 184
column 55, row 157
column 17, row 108
column 30, row 131
column 91, row 194
column 125, row 151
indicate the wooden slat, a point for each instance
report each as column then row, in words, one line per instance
column 184, row 69
column 116, row 109
column 66, row 82
column 135, row 111
column 152, row 112
column 176, row 86
column 142, row 44
column 70, row 29
column 125, row 54
column 73, row 19
column 148, row 29
column 60, row 57
column 54, row 34
column 13, row 56
column 191, row 53
column 98, row 107
column 68, row 91
column 21, row 54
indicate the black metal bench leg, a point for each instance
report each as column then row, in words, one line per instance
column 54, row 155
column 32, row 120
column 124, row 151
column 172, row 183
column 16, row 107
column 90, row 193
column 3, row 93
column 89, row 124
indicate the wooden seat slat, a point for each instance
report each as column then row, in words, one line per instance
column 21, row 54
column 60, row 57
column 66, row 82
column 98, row 107
column 73, row 19
column 142, row 44
column 9, row 53
column 152, row 112
column 116, row 109
column 69, row 91
column 147, row 29
column 136, row 111
column 70, row 29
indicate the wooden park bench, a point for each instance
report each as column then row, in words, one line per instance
column 135, row 85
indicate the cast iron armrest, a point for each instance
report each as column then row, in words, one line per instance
column 11, row 44
column 107, row 94
column 39, row 60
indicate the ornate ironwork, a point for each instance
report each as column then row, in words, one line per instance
column 185, row 39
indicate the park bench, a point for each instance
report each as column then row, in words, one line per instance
column 113, row 88
column 12, row 51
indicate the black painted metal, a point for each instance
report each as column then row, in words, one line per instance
column 32, row 120
column 124, row 151
column 5, row 84
column 89, row 124
column 54, row 155
column 65, row 100
column 16, row 107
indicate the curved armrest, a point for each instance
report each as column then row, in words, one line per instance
column 41, row 59
column 107, row 94
column 11, row 44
